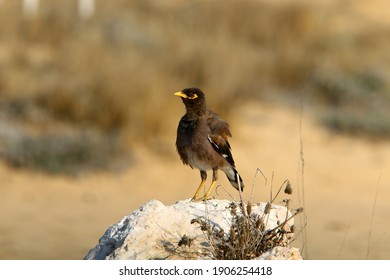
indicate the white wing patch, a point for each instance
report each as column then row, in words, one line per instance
column 216, row 147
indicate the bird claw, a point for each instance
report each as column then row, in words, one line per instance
column 195, row 199
column 204, row 198
column 207, row 198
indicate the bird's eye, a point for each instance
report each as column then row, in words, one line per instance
column 191, row 95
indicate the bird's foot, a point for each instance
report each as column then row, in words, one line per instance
column 203, row 198
column 195, row 199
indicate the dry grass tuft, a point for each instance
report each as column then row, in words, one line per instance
column 248, row 237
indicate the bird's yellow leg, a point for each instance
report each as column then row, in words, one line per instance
column 196, row 195
column 209, row 191
column 203, row 175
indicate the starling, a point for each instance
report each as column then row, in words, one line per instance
column 202, row 142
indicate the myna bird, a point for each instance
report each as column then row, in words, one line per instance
column 202, row 141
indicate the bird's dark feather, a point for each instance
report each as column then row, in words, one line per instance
column 219, row 132
column 185, row 132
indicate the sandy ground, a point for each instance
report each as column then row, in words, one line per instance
column 55, row 217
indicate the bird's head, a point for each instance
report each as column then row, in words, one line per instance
column 193, row 99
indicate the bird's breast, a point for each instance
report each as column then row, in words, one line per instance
column 197, row 161
column 185, row 132
column 192, row 144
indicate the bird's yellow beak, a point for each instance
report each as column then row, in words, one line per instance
column 180, row 94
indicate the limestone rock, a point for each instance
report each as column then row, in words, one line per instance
column 281, row 253
column 156, row 231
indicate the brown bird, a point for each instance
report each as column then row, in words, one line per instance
column 202, row 141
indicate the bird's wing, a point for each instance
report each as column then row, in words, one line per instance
column 218, row 136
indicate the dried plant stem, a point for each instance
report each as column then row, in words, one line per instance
column 372, row 216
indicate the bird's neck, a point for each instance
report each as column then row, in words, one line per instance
column 196, row 110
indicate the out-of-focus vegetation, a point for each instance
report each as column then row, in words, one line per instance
column 108, row 80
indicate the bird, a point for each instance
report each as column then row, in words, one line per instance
column 202, row 142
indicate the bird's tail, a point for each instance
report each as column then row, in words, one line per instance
column 234, row 178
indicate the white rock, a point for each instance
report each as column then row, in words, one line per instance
column 154, row 231
column 281, row 253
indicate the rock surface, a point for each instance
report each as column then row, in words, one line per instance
column 156, row 231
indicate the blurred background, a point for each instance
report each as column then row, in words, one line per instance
column 88, row 117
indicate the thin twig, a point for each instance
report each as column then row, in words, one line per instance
column 301, row 182
column 343, row 242
column 272, row 183
column 372, row 216
column 280, row 188
column 254, row 180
